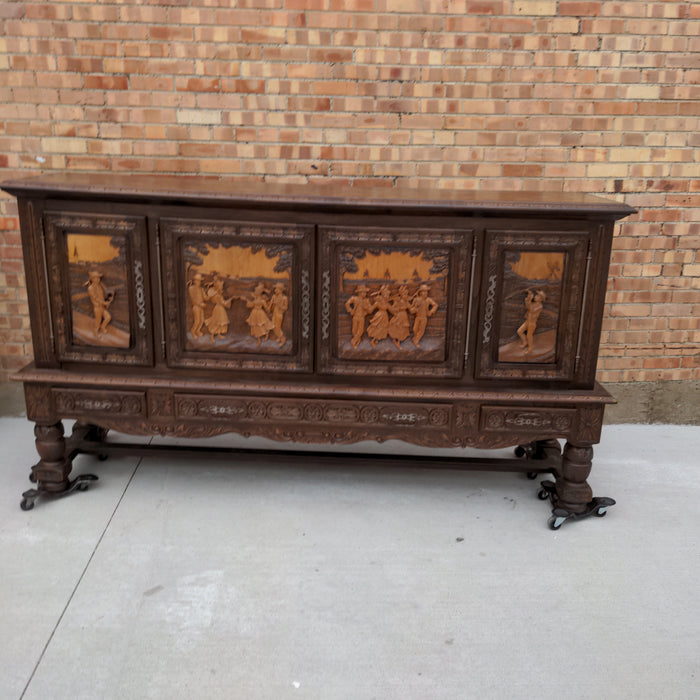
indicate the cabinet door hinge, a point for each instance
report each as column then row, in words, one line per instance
column 161, row 310
column 589, row 256
column 49, row 311
column 470, row 302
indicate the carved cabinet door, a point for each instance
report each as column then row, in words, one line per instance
column 98, row 284
column 532, row 302
column 393, row 301
column 238, row 294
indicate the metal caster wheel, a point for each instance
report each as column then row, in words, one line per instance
column 26, row 504
column 532, row 475
column 601, row 512
column 82, row 486
column 32, row 477
column 102, row 457
column 543, row 494
column 520, row 451
column 555, row 522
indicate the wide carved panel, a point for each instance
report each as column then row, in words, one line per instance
column 238, row 295
column 393, row 301
column 531, row 303
column 98, row 287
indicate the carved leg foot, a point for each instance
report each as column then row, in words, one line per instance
column 571, row 496
column 80, row 483
column 53, row 467
column 573, row 491
column 51, row 472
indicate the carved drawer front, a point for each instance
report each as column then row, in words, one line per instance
column 238, row 295
column 99, row 287
column 393, row 301
column 537, row 421
column 368, row 414
column 88, row 402
column 531, row 303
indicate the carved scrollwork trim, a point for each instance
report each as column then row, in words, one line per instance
column 325, row 304
column 305, row 305
column 489, row 308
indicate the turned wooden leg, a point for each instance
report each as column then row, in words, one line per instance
column 572, row 489
column 53, row 468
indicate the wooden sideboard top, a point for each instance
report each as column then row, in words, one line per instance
column 256, row 194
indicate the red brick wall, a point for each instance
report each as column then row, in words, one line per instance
column 598, row 97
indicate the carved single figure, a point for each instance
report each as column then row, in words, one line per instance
column 278, row 305
column 399, row 325
column 197, row 299
column 259, row 322
column 101, row 301
column 359, row 307
column 422, row 308
column 379, row 325
column 533, row 305
column 218, row 322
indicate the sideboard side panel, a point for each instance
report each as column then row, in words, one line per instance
column 36, row 274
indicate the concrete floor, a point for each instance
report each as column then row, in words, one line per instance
column 181, row 578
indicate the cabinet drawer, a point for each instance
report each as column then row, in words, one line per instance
column 521, row 421
column 88, row 402
column 318, row 412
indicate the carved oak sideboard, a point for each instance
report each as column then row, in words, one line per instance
column 192, row 306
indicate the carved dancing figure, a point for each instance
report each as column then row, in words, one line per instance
column 379, row 325
column 259, row 322
column 399, row 325
column 278, row 305
column 218, row 322
column 197, row 299
column 101, row 301
column 422, row 308
column 359, row 307
column 533, row 304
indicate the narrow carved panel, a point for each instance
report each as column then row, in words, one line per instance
column 160, row 403
column 38, row 401
column 590, row 424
